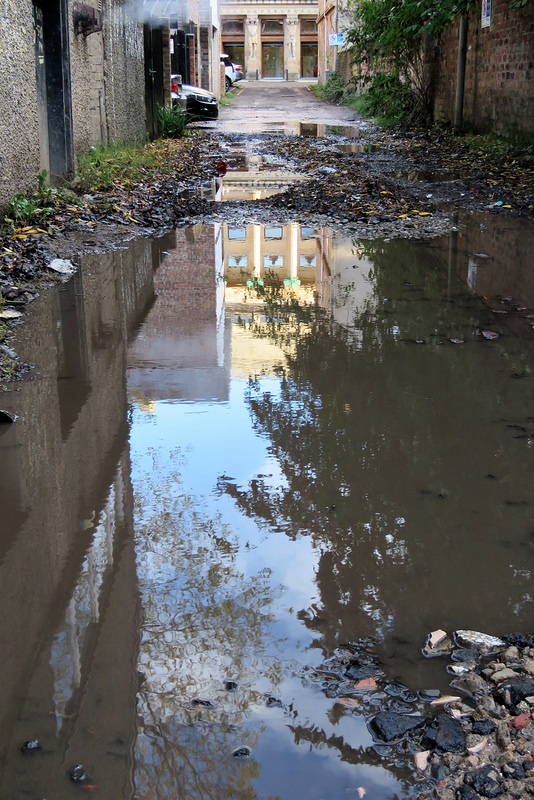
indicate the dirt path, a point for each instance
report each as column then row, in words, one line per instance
column 259, row 105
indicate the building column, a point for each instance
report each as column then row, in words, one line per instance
column 292, row 49
column 253, row 48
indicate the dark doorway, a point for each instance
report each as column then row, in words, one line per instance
column 180, row 58
column 52, row 59
column 154, row 86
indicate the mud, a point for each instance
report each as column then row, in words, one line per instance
column 367, row 182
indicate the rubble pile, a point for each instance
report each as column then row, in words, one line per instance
column 476, row 742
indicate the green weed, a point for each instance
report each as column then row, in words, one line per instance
column 173, row 121
column 103, row 167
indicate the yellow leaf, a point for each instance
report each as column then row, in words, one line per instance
column 402, row 216
column 507, row 206
column 424, row 213
column 90, row 223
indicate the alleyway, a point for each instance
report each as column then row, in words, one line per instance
column 261, row 455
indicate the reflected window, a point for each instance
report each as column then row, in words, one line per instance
column 308, row 261
column 233, row 26
column 272, row 26
column 307, row 233
column 237, row 261
column 308, row 26
column 273, row 262
column 273, row 233
column 237, row 233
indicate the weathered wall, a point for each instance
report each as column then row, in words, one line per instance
column 124, row 73
column 499, row 89
column 107, row 91
column 19, row 154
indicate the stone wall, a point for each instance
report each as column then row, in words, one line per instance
column 499, row 88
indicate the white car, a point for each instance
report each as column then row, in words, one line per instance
column 232, row 72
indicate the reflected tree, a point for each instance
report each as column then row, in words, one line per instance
column 203, row 623
column 386, row 436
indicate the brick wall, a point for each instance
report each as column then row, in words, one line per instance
column 499, row 88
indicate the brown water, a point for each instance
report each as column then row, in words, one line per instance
column 201, row 488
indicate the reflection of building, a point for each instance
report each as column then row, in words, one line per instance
column 181, row 351
column 271, row 41
column 69, row 603
column 285, row 254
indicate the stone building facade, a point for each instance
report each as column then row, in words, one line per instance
column 271, row 39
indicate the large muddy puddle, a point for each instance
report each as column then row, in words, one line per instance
column 241, row 447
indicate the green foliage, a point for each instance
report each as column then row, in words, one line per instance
column 27, row 210
column 103, row 167
column 335, row 91
column 389, row 99
column 173, row 121
column 387, row 38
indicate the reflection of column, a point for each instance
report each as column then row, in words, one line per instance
column 219, row 290
column 293, row 249
column 256, row 250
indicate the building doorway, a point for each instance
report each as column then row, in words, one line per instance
column 272, row 60
column 308, row 60
column 52, row 62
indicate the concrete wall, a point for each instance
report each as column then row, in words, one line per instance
column 102, row 79
column 499, row 89
column 19, row 154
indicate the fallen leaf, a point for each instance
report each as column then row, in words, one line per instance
column 365, row 684
column 478, row 747
column 490, row 335
column 444, row 699
column 348, row 702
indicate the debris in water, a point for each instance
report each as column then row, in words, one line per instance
column 10, row 313
column 490, row 335
column 436, row 637
column 242, row 752
column 477, row 640
column 31, row 746
column 78, row 774
column 62, row 265
column 231, row 686
column 421, row 759
column 199, row 701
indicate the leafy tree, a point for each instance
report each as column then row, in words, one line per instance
column 389, row 39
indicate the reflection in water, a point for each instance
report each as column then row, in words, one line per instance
column 241, row 447
column 69, row 594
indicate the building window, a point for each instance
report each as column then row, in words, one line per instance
column 308, row 261
column 308, row 26
column 273, row 262
column 233, row 26
column 237, row 261
column 272, row 26
column 273, row 233
column 237, row 233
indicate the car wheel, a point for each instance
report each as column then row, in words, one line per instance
column 228, row 82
